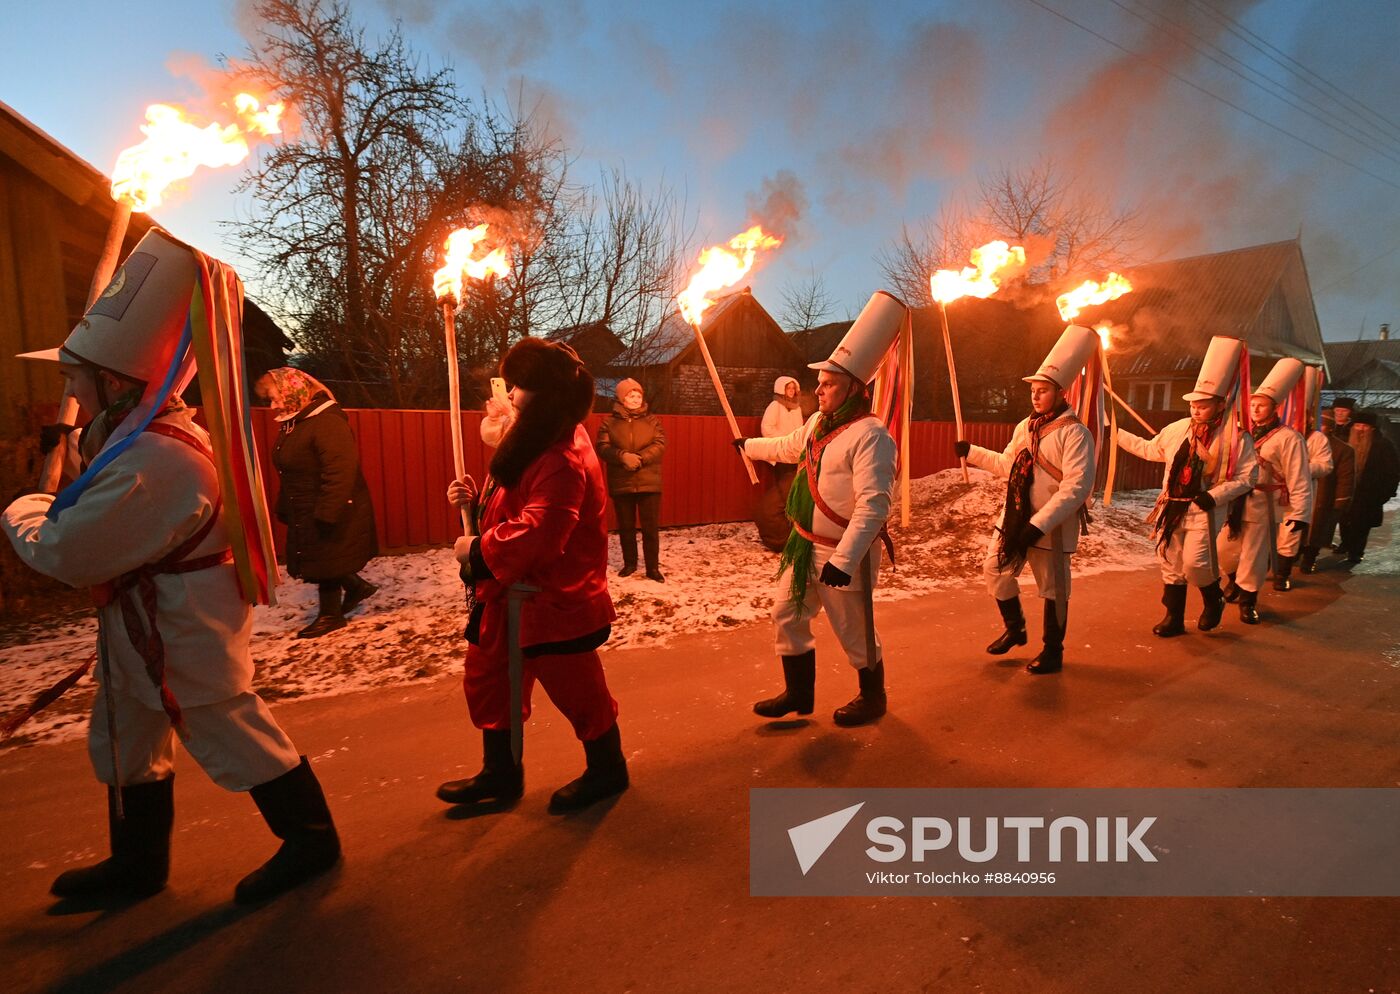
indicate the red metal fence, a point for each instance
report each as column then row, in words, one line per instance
column 407, row 461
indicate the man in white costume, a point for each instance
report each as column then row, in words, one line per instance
column 145, row 532
column 1278, row 510
column 839, row 503
column 1206, row 468
column 1049, row 466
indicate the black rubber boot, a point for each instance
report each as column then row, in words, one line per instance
column 1231, row 590
column 1249, row 607
column 1309, row 561
column 1212, row 607
column 294, row 807
column 140, row 860
column 799, row 688
column 1174, row 622
column 605, row 775
column 500, row 779
column 1283, row 573
column 357, row 591
column 1015, row 620
column 869, row 704
column 1052, row 656
column 331, row 614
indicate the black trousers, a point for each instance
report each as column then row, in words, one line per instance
column 1354, row 538
column 647, row 508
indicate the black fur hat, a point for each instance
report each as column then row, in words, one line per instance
column 563, row 396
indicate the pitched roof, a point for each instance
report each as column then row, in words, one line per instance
column 1259, row 293
column 817, row 344
column 673, row 335
column 1344, row 359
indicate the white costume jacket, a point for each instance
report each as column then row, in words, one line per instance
column 1319, row 455
column 1069, row 448
column 1163, row 448
column 856, row 481
column 1283, row 472
column 141, row 507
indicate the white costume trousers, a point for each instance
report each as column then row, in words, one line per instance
column 1001, row 580
column 237, row 742
column 1186, row 558
column 845, row 611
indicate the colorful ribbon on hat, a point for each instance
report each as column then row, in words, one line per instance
column 892, row 401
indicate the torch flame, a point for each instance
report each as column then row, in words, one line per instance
column 460, row 248
column 721, row 268
column 1090, row 294
column 175, row 147
column 1104, row 329
column 979, row 279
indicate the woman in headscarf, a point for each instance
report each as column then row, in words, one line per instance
column 540, row 523
column 323, row 500
column 783, row 416
column 632, row 442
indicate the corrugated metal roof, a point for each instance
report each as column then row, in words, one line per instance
column 1345, row 358
column 1258, row 293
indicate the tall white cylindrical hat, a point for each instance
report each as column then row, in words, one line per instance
column 1280, row 381
column 865, row 346
column 134, row 327
column 1068, row 358
column 1312, row 375
column 1218, row 369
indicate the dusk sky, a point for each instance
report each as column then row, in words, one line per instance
column 883, row 113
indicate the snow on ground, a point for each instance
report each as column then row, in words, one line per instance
column 717, row 577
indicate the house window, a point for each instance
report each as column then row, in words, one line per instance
column 1151, row 396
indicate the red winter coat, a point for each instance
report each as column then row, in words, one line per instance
column 550, row 531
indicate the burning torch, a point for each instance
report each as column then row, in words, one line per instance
column 977, row 280
column 461, row 263
column 722, row 266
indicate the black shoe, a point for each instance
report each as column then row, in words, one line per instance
column 1015, row 621
column 1212, row 607
column 500, row 779
column 1309, row 561
column 869, row 704
column 1230, row 590
column 1052, row 655
column 799, row 688
column 323, row 625
column 605, row 775
column 140, row 841
column 628, row 569
column 357, row 591
column 1249, row 607
column 655, row 574
column 294, row 807
column 1174, row 622
column 1283, row 573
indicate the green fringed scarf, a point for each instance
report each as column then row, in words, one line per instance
column 799, row 551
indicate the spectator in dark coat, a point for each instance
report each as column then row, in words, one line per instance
column 1377, row 477
column 630, row 443
column 324, row 500
column 1332, row 498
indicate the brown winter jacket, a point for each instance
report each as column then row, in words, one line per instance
column 637, row 432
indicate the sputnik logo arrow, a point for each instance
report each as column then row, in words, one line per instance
column 812, row 839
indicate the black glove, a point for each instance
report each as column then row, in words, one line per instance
column 962, row 447
column 52, row 436
column 1298, row 526
column 738, row 443
column 1030, row 535
column 833, row 577
column 1204, row 501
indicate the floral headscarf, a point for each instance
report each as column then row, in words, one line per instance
column 291, row 390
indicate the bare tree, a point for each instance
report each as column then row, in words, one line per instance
column 806, row 302
column 1065, row 229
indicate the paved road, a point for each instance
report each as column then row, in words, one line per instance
column 651, row 892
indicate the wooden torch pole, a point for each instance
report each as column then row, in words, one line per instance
column 454, row 397
column 953, row 380
column 52, row 471
column 1151, row 432
column 723, row 400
